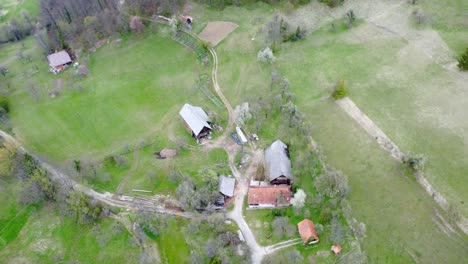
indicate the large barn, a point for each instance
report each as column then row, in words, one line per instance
column 59, row 61
column 278, row 163
column 196, row 121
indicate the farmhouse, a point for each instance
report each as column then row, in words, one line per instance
column 278, row 163
column 59, row 61
column 196, row 121
column 269, row 197
column 226, row 186
column 307, row 231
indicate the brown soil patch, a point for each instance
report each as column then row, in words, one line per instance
column 216, row 31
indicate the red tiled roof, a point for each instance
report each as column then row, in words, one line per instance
column 307, row 230
column 270, row 195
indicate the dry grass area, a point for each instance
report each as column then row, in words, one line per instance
column 216, row 31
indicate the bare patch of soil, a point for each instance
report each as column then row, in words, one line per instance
column 216, row 31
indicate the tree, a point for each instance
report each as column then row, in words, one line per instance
column 266, row 56
column 350, row 18
column 337, row 234
column 8, row 152
column 463, row 61
column 281, row 227
column 332, row 183
column 415, row 162
column 299, row 198
column 4, row 71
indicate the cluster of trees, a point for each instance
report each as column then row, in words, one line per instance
column 68, row 23
column 17, row 28
column 202, row 195
column 148, row 8
column 82, row 23
column 214, row 241
column 278, row 31
column 38, row 187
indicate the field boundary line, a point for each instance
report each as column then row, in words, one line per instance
column 353, row 111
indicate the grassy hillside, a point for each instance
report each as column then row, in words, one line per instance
column 394, row 91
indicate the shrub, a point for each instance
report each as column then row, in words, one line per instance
column 332, row 3
column 463, row 61
column 325, row 216
column 340, row 91
column 415, row 162
column 4, row 103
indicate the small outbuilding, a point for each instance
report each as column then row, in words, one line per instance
column 278, row 163
column 226, row 186
column 269, row 196
column 196, row 121
column 59, row 61
column 307, row 231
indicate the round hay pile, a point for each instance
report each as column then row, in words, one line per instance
column 166, row 153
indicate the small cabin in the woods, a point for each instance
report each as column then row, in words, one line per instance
column 307, row 231
column 278, row 163
column 59, row 61
column 196, row 121
column 269, row 197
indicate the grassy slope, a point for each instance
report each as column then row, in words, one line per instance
column 398, row 214
column 449, row 19
column 49, row 237
column 123, row 101
column 15, row 7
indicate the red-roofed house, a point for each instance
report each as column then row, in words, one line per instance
column 307, row 232
column 271, row 196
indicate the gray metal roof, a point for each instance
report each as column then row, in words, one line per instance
column 58, row 58
column 195, row 118
column 277, row 162
column 226, row 185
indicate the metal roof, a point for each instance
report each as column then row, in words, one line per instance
column 277, row 162
column 58, row 58
column 195, row 118
column 226, row 185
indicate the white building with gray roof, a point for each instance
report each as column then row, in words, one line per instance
column 196, row 121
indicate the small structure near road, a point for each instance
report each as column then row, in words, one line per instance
column 166, row 153
column 269, row 197
column 196, row 121
column 226, row 186
column 241, row 135
column 278, row 163
column 59, row 61
column 307, row 231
